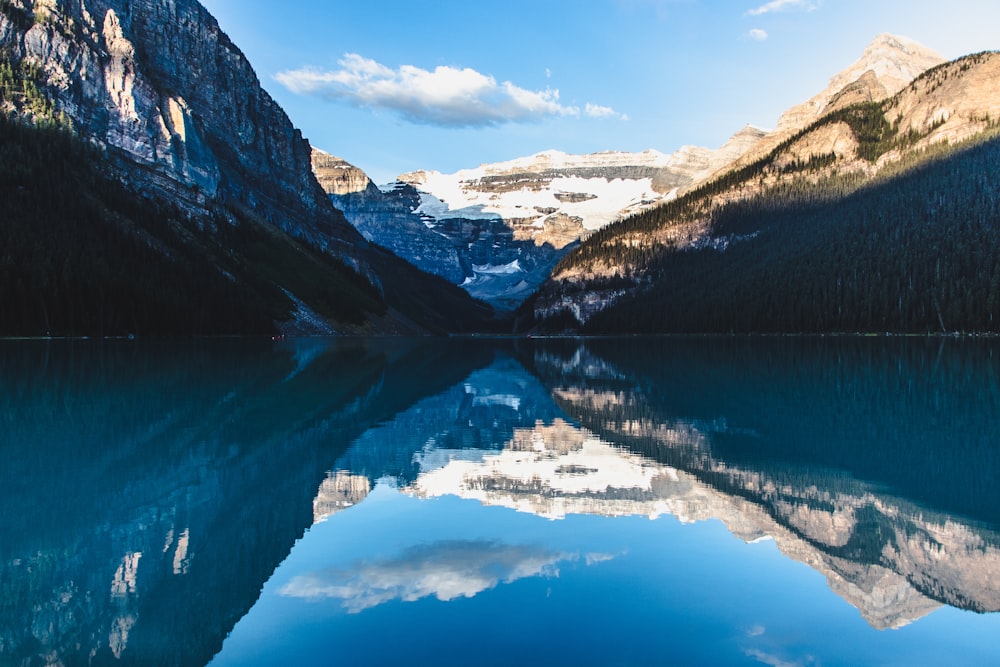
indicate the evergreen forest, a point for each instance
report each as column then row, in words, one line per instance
column 916, row 253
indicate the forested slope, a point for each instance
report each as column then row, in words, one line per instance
column 919, row 253
column 81, row 255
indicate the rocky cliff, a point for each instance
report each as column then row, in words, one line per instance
column 170, row 97
column 338, row 177
column 388, row 217
column 177, row 119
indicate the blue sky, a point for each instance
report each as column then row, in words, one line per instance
column 398, row 86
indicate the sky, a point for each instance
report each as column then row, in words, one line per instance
column 394, row 86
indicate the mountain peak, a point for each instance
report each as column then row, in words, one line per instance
column 894, row 60
column 338, row 176
column 886, row 66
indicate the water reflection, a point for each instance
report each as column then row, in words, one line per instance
column 150, row 489
column 153, row 490
column 877, row 458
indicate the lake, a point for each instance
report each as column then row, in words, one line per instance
column 729, row 501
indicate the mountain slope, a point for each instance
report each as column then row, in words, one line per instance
column 866, row 220
column 178, row 125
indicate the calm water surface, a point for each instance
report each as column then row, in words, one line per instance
column 465, row 502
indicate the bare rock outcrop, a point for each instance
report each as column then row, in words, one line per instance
column 338, row 176
column 160, row 87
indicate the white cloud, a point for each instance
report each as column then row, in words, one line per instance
column 782, row 5
column 598, row 111
column 757, row 34
column 446, row 96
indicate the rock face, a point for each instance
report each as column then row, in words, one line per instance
column 388, row 218
column 337, row 176
column 179, row 116
column 164, row 90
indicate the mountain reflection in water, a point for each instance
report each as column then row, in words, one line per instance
column 839, row 451
column 153, row 489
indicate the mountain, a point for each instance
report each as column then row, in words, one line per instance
column 877, row 216
column 887, row 66
column 499, row 229
column 388, row 217
column 155, row 187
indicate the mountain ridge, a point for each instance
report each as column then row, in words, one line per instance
column 498, row 229
column 887, row 65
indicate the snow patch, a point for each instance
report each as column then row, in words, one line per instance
column 602, row 200
column 502, row 270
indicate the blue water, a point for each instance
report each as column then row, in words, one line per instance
column 639, row 502
column 492, row 586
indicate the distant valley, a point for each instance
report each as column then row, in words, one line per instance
column 499, row 229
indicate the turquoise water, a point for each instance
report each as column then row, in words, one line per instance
column 491, row 502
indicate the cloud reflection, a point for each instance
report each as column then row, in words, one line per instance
column 447, row 570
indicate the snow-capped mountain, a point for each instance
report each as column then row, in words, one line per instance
column 499, row 229
column 554, row 197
